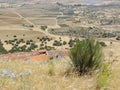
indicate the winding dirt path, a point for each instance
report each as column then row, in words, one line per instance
column 36, row 28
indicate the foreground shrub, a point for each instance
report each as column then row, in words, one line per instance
column 86, row 55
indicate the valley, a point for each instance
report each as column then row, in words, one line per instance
column 38, row 35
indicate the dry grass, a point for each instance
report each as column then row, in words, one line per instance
column 40, row 78
column 115, row 78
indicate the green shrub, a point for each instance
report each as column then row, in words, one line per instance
column 64, row 42
column 33, row 46
column 49, row 48
column 41, row 44
column 57, row 43
column 2, row 49
column 103, row 77
column 14, row 36
column 118, row 38
column 44, row 27
column 71, row 43
column 102, row 44
column 28, row 42
column 51, row 67
column 86, row 55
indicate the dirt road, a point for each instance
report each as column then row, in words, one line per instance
column 37, row 28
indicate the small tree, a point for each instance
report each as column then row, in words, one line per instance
column 57, row 43
column 14, row 36
column 44, row 27
column 64, row 42
column 118, row 38
column 2, row 49
column 71, row 43
column 102, row 44
column 86, row 55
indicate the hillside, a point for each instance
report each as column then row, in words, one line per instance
column 57, row 44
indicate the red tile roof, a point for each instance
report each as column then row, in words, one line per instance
column 35, row 55
column 40, row 57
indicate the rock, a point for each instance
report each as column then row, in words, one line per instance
column 8, row 73
column 25, row 73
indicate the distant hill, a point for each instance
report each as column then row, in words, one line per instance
column 89, row 2
column 13, row 1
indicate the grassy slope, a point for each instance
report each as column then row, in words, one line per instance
column 41, row 80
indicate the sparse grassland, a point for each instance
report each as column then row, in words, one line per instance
column 62, row 23
column 40, row 78
column 58, row 75
column 62, row 78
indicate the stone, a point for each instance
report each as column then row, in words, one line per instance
column 8, row 73
column 25, row 73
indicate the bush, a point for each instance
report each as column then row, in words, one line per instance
column 64, row 42
column 2, row 49
column 51, row 67
column 109, row 35
column 14, row 36
column 102, row 44
column 118, row 38
column 71, row 43
column 28, row 42
column 57, row 43
column 44, row 27
column 49, row 48
column 103, row 76
column 86, row 55
column 33, row 46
